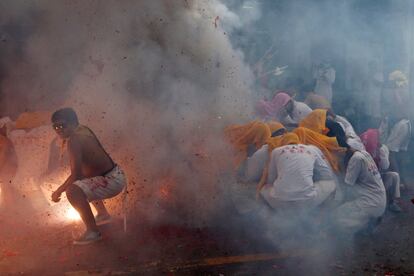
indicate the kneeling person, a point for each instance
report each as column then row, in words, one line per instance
column 299, row 176
column 94, row 175
column 367, row 191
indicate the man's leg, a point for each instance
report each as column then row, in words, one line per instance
column 394, row 162
column 100, row 208
column 402, row 158
column 392, row 185
column 78, row 200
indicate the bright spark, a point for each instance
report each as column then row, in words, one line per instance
column 72, row 214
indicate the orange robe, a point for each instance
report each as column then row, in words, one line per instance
column 255, row 133
column 316, row 121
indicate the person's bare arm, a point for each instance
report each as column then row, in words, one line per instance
column 75, row 155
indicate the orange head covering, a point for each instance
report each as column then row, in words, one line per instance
column 328, row 145
column 316, row 121
column 275, row 126
column 290, row 139
column 242, row 136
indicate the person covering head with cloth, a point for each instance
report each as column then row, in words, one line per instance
column 319, row 122
column 247, row 139
column 256, row 165
column 283, row 109
column 298, row 176
column 94, row 175
column 329, row 146
column 316, row 121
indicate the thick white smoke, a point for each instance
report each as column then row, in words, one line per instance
column 156, row 81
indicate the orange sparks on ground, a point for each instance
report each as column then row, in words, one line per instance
column 72, row 214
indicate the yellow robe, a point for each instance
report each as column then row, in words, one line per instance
column 316, row 121
column 255, row 133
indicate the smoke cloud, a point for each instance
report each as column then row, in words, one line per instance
column 156, row 80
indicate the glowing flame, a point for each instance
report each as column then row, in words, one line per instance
column 72, row 214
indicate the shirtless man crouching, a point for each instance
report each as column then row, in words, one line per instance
column 94, row 175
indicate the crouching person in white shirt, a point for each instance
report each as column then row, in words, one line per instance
column 367, row 194
column 299, row 176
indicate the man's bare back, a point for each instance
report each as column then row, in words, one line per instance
column 93, row 158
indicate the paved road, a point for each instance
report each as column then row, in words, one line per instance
column 34, row 243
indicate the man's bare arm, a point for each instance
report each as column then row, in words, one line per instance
column 75, row 155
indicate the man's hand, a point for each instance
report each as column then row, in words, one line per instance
column 56, row 196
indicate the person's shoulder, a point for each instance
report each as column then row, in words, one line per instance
column 75, row 139
column 280, row 149
column 361, row 155
column 303, row 108
column 313, row 148
column 302, row 105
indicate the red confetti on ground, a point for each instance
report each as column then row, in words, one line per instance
column 9, row 253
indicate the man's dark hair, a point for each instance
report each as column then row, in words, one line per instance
column 66, row 114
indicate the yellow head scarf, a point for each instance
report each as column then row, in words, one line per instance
column 275, row 126
column 255, row 132
column 316, row 121
column 241, row 136
column 290, row 139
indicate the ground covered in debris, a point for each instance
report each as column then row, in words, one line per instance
column 30, row 245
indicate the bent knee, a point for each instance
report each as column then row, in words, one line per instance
column 394, row 176
column 73, row 191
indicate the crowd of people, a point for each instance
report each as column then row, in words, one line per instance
column 302, row 156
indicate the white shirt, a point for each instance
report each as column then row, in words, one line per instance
column 362, row 173
column 324, row 80
column 399, row 137
column 255, row 164
column 352, row 138
column 346, row 126
column 291, row 172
